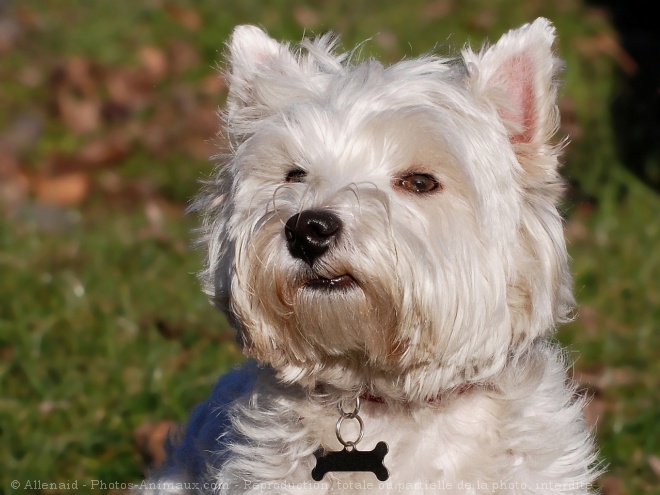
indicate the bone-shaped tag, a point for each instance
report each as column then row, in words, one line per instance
column 351, row 460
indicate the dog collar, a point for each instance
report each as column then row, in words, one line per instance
column 462, row 390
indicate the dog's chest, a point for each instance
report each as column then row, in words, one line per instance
column 430, row 450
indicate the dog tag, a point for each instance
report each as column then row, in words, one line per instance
column 351, row 461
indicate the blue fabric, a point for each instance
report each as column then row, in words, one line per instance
column 199, row 447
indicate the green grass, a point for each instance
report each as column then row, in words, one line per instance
column 103, row 325
column 83, row 360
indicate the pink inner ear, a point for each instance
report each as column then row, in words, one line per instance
column 517, row 77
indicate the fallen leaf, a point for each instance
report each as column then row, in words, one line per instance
column 30, row 76
column 594, row 377
column 183, row 56
column 80, row 75
column 386, row 39
column 590, row 319
column 103, row 151
column 570, row 124
column 110, row 182
column 306, row 16
column 128, row 87
column 484, row 20
column 606, row 43
column 8, row 162
column 23, row 133
column 204, row 122
column 576, row 231
column 200, row 149
column 28, row 18
column 437, row 10
column 64, row 190
column 611, row 485
column 80, row 115
column 154, row 61
column 594, row 410
column 14, row 186
column 654, row 462
column 150, row 440
column 212, row 85
column 10, row 32
column 187, row 17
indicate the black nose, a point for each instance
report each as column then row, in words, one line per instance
column 311, row 233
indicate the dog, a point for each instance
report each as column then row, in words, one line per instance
column 387, row 244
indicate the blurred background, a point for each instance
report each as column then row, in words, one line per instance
column 107, row 123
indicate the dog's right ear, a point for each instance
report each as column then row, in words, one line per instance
column 254, row 57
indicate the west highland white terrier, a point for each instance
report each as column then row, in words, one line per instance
column 386, row 242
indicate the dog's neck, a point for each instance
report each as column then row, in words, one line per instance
column 440, row 399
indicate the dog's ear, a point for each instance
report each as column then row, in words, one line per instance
column 517, row 76
column 253, row 56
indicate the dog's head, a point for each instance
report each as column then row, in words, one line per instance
column 388, row 227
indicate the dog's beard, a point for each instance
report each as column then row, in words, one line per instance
column 329, row 312
column 357, row 320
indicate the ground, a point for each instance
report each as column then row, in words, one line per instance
column 106, row 127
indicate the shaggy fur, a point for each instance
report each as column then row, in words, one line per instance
column 440, row 303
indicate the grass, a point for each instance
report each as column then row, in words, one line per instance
column 102, row 323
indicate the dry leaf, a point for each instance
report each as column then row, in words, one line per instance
column 76, row 96
column 590, row 319
column 484, row 20
column 437, row 10
column 104, row 151
column 611, row 485
column 187, row 17
column 129, row 88
column 8, row 163
column 183, row 56
column 14, row 186
column 10, row 31
column 150, row 440
column 386, row 39
column 80, row 75
column 154, row 60
column 576, row 231
column 204, row 122
column 594, row 410
column 200, row 149
column 212, row 85
column 30, row 76
column 64, row 190
column 606, row 43
column 654, row 462
column 81, row 116
column 27, row 17
column 306, row 16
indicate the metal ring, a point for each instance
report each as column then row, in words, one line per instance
column 348, row 443
column 350, row 415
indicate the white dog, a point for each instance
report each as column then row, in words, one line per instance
column 386, row 242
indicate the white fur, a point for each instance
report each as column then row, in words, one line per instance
column 458, row 289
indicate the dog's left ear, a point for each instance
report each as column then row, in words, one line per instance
column 517, row 76
column 253, row 58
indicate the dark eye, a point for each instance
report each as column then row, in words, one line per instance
column 295, row 175
column 417, row 183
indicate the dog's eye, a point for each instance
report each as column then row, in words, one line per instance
column 417, row 183
column 295, row 175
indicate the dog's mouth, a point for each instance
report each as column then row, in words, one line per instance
column 342, row 282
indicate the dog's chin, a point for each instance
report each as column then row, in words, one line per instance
column 345, row 282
